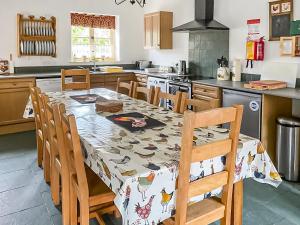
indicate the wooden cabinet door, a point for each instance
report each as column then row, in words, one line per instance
column 148, row 31
column 156, row 30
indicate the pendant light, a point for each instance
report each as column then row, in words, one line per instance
column 140, row 2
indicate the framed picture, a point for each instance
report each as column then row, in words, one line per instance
column 287, row 46
column 280, row 17
column 286, row 7
column 275, row 9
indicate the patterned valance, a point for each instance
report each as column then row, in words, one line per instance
column 95, row 21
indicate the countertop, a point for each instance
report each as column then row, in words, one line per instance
column 57, row 74
column 293, row 93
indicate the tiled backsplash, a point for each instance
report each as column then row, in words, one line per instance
column 205, row 47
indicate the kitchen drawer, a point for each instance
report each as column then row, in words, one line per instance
column 208, row 91
column 16, row 84
column 207, row 102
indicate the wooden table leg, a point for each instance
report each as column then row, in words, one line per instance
column 237, row 202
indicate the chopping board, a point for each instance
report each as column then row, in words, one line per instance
column 266, row 85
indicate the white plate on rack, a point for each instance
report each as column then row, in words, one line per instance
column 29, row 47
column 22, row 47
column 53, row 47
column 48, row 48
column 39, row 48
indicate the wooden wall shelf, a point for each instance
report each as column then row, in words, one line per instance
column 36, row 36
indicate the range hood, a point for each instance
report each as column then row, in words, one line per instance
column 204, row 18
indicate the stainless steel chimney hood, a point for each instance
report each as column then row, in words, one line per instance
column 204, row 18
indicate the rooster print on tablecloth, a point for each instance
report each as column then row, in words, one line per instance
column 165, row 199
column 144, row 183
column 127, row 198
column 238, row 167
column 144, row 211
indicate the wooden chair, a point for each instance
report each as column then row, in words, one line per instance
column 38, row 124
column 143, row 93
column 158, row 96
column 85, row 85
column 121, row 86
column 211, row 209
column 55, row 164
column 85, row 186
column 197, row 104
column 46, row 141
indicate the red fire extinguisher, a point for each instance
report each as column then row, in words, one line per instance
column 255, row 51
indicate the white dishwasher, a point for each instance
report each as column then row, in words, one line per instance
column 158, row 82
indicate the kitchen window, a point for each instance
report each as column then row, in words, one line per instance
column 93, row 38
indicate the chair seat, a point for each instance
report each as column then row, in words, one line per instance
column 203, row 212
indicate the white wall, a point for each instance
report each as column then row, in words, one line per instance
column 131, row 25
column 232, row 13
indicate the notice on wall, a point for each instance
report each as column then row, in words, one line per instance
column 253, row 29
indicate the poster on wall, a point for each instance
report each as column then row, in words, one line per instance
column 280, row 17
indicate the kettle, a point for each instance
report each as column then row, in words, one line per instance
column 181, row 67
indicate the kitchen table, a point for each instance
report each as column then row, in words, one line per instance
column 141, row 168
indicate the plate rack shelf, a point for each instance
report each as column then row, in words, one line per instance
column 36, row 36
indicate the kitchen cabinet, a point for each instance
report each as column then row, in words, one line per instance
column 158, row 30
column 108, row 81
column 208, row 95
column 14, row 94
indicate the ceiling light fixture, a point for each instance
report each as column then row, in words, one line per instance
column 140, row 2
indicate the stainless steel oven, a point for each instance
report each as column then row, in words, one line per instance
column 174, row 86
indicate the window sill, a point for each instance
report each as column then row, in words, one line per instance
column 96, row 61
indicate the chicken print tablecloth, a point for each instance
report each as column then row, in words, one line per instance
column 141, row 168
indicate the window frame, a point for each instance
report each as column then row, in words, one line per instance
column 92, row 47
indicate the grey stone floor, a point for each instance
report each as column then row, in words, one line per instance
column 25, row 197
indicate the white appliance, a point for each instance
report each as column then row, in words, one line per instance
column 158, row 82
column 237, row 70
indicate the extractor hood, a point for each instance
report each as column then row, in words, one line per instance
column 204, row 18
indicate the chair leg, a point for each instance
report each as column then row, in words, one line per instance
column 65, row 192
column 39, row 143
column 54, row 181
column 84, row 213
column 73, row 207
column 46, row 165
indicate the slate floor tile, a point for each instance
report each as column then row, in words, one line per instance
column 32, row 216
column 47, row 199
column 19, row 199
column 17, row 163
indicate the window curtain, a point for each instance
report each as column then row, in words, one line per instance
column 94, row 21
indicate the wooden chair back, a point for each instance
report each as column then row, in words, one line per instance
column 121, row 86
column 211, row 210
column 59, row 109
column 85, row 85
column 197, row 104
column 74, row 155
column 175, row 99
column 143, row 93
column 36, row 108
column 43, row 116
column 52, row 135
